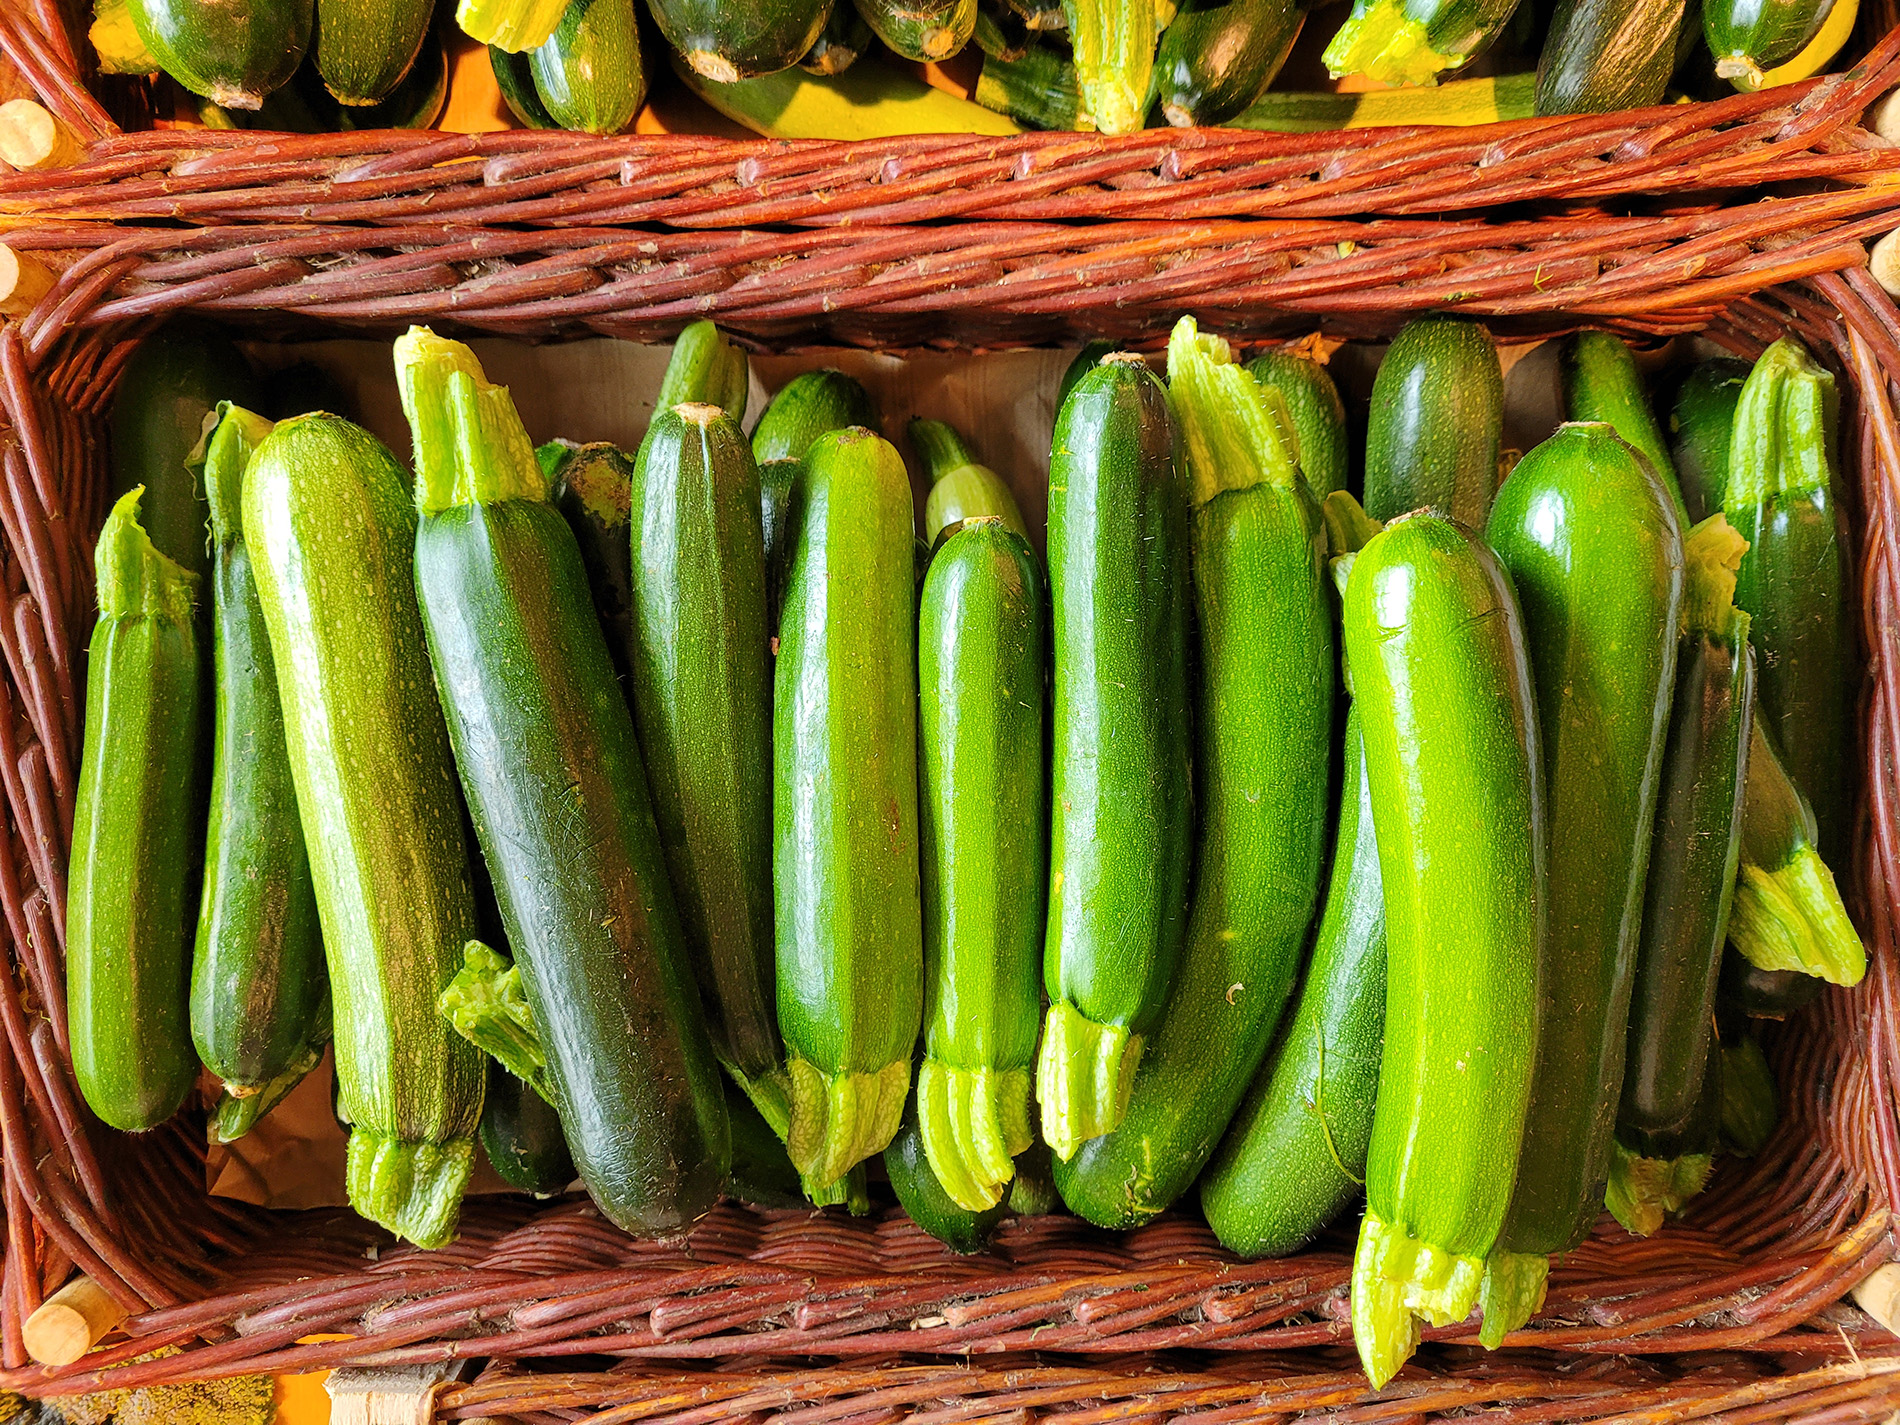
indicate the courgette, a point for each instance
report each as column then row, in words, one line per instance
column 843, row 41
column 1084, row 361
column 724, row 41
column 1700, row 423
column 1114, row 46
column 1601, row 383
column 1414, row 41
column 1459, row 102
column 365, row 48
column 233, row 52
column 1749, row 37
column 705, row 368
column 133, row 869
column 1037, row 88
column 522, row 1136
column 1749, row 1110
column 416, row 102
column 1443, row 687
column 514, row 77
column 330, row 525
column 552, row 773
column 1318, row 416
column 776, row 479
column 1218, row 56
column 593, row 489
column 806, row 407
column 588, row 73
column 921, row 1195
column 1602, row 55
column 844, row 805
column 960, row 488
column 1120, row 823
column 260, row 1007
column 922, row 30
column 1437, row 422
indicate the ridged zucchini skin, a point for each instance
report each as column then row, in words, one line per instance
column 588, row 73
column 1700, row 422
column 1120, row 827
column 1592, row 543
column 364, row 48
column 806, row 407
column 921, row 1195
column 259, row 994
column 1114, row 46
column 1601, row 383
column 1295, row 1154
column 726, row 41
column 983, row 820
column 330, row 526
column 1602, row 55
column 1442, row 683
column 923, row 30
column 701, row 689
column 1318, row 415
column 133, row 870
column 1215, row 59
column 1409, row 42
column 233, row 52
column 522, row 1136
column 849, row 921
column 1436, row 423
column 553, row 775
column 1749, row 37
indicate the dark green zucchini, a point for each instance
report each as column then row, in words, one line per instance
column 1437, row 422
column 233, row 52
column 806, row 407
column 726, row 41
column 922, row 30
column 1000, row 34
column 365, row 48
column 1085, row 361
column 776, row 479
column 588, row 73
column 514, row 76
column 762, row 1171
column 594, row 492
column 960, row 488
column 1602, row 55
column 1218, row 56
column 1601, row 383
column 705, row 369
column 1749, row 37
column 843, row 41
column 553, row 776
column 1700, row 423
column 921, row 1195
column 1318, row 416
column 1113, row 42
column 1037, row 88
column 1415, row 41
column 522, row 1136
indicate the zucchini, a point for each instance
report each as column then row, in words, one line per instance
column 1414, row 41
column 809, row 405
column 1114, row 46
column 260, row 1004
column 1601, row 383
column 1749, row 1109
column 921, row 1195
column 1443, row 688
column 1032, row 1192
column 1036, row 87
column 330, row 525
column 701, row 690
column 1120, row 825
column 1691, row 879
column 1700, row 423
column 1218, row 56
column 1085, row 361
column 522, row 1136
column 134, row 862
column 705, row 369
column 960, row 488
column 233, row 52
column 514, row 77
column 1437, row 421
column 839, row 45
column 724, row 41
column 365, row 48
column 1265, row 715
column 594, row 493
column 1000, row 35
column 588, row 73
column 982, row 820
column 762, row 1173
column 776, row 479
column 416, row 102
column 1591, row 540
column 921, row 30
column 1601, row 55
column 844, row 805
column 513, row 26
column 1749, row 37
column 1763, row 994
column 1458, row 102
column 1318, row 415
column 1795, row 581
column 552, row 772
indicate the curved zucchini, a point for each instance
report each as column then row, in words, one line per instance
column 1265, row 713
column 724, row 41
column 129, row 886
column 1414, row 41
column 844, row 805
column 233, row 52
column 514, row 77
column 960, row 488
column 844, row 39
column 706, row 369
column 1700, row 423
column 522, row 1136
column 1114, row 46
column 365, row 48
column 1120, row 825
column 330, row 525
column 588, row 73
column 1443, row 688
column 1749, row 37
column 1602, row 55
column 1218, row 56
column 1601, row 383
column 922, row 30
column 593, row 489
column 1436, row 424
column 921, row 1195
column 1318, row 416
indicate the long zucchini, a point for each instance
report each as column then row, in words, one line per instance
column 1114, row 47
column 1700, row 422
column 1601, row 383
column 960, row 488
column 588, row 73
column 1602, row 55
column 1436, row 423
column 1318, row 416
column 330, row 525
column 1218, row 56
column 725, row 41
column 365, row 48
column 1120, row 821
column 1414, row 41
column 233, row 52
column 705, row 368
column 922, row 30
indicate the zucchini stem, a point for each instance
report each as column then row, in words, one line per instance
column 1643, row 1191
column 237, row 1113
column 1381, row 41
column 839, row 1120
column 1512, row 1293
column 488, row 1007
column 1231, row 432
column 413, row 1189
column 1084, row 1075
column 470, row 445
column 973, row 1122
column 134, row 579
column 1396, row 1280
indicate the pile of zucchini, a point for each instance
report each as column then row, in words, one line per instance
column 685, row 823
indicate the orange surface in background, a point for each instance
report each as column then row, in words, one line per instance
column 302, row 1400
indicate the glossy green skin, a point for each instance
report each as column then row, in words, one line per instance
column 416, row 103
column 553, row 777
column 594, row 495
column 1764, row 994
column 1120, row 824
column 844, row 805
column 808, row 406
column 701, row 688
column 1295, row 1154
column 776, row 479
column 588, row 72
column 1776, row 820
column 522, row 1136
column 922, row 30
column 1216, row 59
column 231, row 51
column 922, row 1196
column 1591, row 541
column 1764, row 32
column 1602, row 56
column 1319, row 416
column 1601, row 383
column 1443, row 688
column 1436, row 423
column 743, row 39
column 982, row 814
column 133, row 876
column 1700, row 423
column 1265, row 711
column 1691, row 880
column 1085, row 361
column 762, row 1171
column 364, row 48
column 514, row 76
column 330, row 525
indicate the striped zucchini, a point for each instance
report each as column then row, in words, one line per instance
column 960, row 488
column 1602, row 55
column 726, row 40
column 1437, row 422
column 1750, row 37
column 1700, row 423
column 1414, row 41
column 1318, row 416
column 1114, row 46
column 588, row 73
column 922, row 30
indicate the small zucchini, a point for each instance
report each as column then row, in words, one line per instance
column 588, row 73
column 1750, row 37
column 593, row 489
column 844, row 39
column 960, row 488
column 1700, row 423
column 1602, row 55
column 921, row 1195
column 1218, row 56
column 134, row 858
column 1437, row 422
column 364, row 48
column 762, row 1171
column 1414, row 41
column 806, row 407
column 1318, row 416
column 705, row 369
column 522, row 1136
column 233, row 52
column 1749, row 1110
column 1601, row 383
column 1114, row 46
column 921, row 30
column 725, row 41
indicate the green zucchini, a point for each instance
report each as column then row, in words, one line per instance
column 705, row 369
column 1750, row 37
column 1318, row 416
column 806, row 407
column 1032, row 1192
column 762, row 1171
column 330, row 525
column 1601, row 383
column 1691, row 879
column 1120, row 825
column 1763, row 994
column 233, row 52
column 1218, row 56
column 702, row 704
column 1414, row 41
column 960, row 488
column 921, row 1195
column 588, row 73
column 776, row 479
column 725, row 41
column 134, row 863
column 844, row 805
column 1114, row 46
column 1795, row 580
column 522, row 1136
column 1085, row 361
column 982, row 820
column 1601, row 55
column 514, row 77
column 1000, row 35
column 365, row 48
column 260, row 1005
column 1443, row 687
column 1437, row 422
column 513, row 26
column 1749, row 1110
column 1265, row 714
column 1036, row 87
column 1700, row 422
column 922, row 30
column 552, row 773
column 416, row 102
column 844, row 38
column 594, row 492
